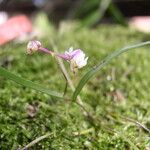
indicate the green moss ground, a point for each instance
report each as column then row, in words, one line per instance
column 130, row 76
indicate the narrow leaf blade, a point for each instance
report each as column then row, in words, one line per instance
column 103, row 63
column 27, row 83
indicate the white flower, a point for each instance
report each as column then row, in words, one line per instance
column 76, row 58
column 33, row 46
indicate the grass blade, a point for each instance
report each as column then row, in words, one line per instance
column 96, row 15
column 8, row 75
column 103, row 63
column 116, row 14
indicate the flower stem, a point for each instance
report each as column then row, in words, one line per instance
column 63, row 56
column 46, row 50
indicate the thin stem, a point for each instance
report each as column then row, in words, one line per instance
column 46, row 50
column 61, row 69
column 137, row 123
column 131, row 120
column 63, row 56
column 69, row 81
column 35, row 141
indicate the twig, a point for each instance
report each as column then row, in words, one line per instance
column 35, row 141
column 133, row 121
column 137, row 123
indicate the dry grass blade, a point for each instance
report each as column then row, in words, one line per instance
column 137, row 123
column 35, row 141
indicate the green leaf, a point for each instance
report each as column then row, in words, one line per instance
column 103, row 63
column 96, row 15
column 8, row 75
column 116, row 14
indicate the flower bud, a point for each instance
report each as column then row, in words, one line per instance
column 33, row 46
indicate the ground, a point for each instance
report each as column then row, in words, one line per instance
column 115, row 95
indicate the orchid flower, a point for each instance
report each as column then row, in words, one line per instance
column 76, row 58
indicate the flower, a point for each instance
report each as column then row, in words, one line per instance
column 33, row 46
column 76, row 58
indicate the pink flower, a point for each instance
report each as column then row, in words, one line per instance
column 76, row 58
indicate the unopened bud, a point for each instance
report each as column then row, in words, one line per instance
column 33, row 46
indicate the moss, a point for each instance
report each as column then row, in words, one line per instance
column 130, row 76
